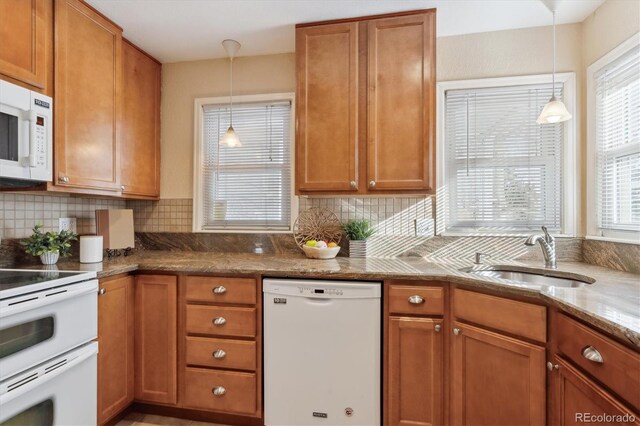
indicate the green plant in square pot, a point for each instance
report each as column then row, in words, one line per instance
column 49, row 245
column 358, row 231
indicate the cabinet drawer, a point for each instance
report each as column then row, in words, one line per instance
column 430, row 300
column 221, row 353
column 221, row 290
column 233, row 321
column 511, row 316
column 620, row 367
column 239, row 391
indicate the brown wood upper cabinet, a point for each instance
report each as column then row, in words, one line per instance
column 140, row 147
column 25, row 34
column 116, row 340
column 366, row 105
column 88, row 82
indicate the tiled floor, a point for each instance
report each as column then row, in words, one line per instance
column 139, row 419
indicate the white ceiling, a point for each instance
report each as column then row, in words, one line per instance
column 182, row 30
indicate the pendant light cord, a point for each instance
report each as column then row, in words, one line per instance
column 553, row 76
column 231, row 91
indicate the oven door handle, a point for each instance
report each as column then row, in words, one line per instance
column 81, row 355
column 47, row 297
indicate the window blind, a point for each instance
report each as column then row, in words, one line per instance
column 617, row 133
column 504, row 171
column 247, row 187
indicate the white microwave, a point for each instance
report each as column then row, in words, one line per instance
column 26, row 135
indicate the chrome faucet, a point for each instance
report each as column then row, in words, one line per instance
column 548, row 245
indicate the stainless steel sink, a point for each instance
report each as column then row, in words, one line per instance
column 531, row 276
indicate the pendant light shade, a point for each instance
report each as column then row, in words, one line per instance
column 230, row 138
column 554, row 111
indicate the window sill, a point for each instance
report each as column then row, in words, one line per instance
column 500, row 234
column 614, row 240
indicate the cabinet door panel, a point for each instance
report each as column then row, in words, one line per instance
column 116, row 341
column 415, row 371
column 496, row 380
column 327, row 109
column 88, row 79
column 156, row 339
column 24, row 29
column 140, row 148
column 576, row 397
column 401, row 103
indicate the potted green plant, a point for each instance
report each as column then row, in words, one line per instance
column 49, row 245
column 357, row 232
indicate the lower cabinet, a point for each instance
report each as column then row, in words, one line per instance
column 578, row 400
column 156, row 339
column 415, row 369
column 496, row 379
column 115, row 340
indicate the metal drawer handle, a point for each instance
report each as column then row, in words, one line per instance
column 353, row 184
column 457, row 331
column 219, row 390
column 219, row 354
column 372, row 184
column 102, row 291
column 437, row 328
column 592, row 354
column 416, row 299
column 551, row 366
column 219, row 290
column 219, row 321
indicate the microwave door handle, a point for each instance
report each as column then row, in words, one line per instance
column 31, row 155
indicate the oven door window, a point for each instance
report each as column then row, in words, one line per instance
column 22, row 336
column 9, row 139
column 40, row 414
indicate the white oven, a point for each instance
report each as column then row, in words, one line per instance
column 44, row 319
column 26, row 134
column 60, row 391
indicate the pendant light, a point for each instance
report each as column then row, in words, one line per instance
column 230, row 138
column 554, row 111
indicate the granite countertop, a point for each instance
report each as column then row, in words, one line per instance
column 611, row 303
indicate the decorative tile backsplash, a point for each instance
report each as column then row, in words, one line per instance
column 167, row 215
column 19, row 213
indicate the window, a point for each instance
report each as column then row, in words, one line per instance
column 500, row 172
column 246, row 188
column 614, row 143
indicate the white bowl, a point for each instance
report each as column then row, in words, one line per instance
column 321, row 253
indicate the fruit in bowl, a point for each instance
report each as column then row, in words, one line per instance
column 320, row 249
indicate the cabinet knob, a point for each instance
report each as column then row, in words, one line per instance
column 219, row 354
column 372, row 184
column 219, row 321
column 592, row 355
column 102, row 291
column 416, row 299
column 219, row 290
column 437, row 328
column 551, row 366
column 219, row 390
column 64, row 179
column 353, row 184
column 122, row 187
column 457, row 331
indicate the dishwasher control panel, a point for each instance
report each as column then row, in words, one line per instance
column 320, row 291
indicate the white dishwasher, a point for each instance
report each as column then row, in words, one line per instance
column 321, row 352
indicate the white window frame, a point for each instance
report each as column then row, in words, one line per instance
column 198, row 132
column 569, row 164
column 593, row 230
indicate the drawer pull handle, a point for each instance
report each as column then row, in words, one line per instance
column 219, row 391
column 219, row 321
column 102, row 291
column 219, row 290
column 551, row 366
column 437, row 328
column 457, row 331
column 592, row 354
column 219, row 354
column 416, row 299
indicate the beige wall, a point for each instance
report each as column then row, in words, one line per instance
column 493, row 54
column 182, row 82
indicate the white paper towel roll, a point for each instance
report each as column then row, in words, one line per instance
column 90, row 248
